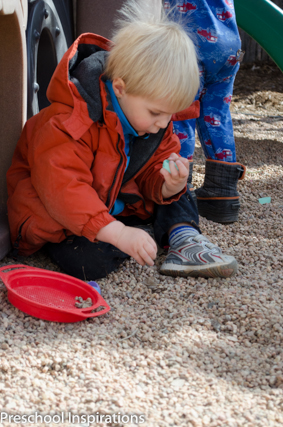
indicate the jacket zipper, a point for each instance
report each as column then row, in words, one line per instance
column 135, row 173
column 116, row 173
column 141, row 166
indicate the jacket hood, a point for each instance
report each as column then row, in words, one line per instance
column 76, row 82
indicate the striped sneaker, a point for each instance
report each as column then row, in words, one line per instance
column 198, row 257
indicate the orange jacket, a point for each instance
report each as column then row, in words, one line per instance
column 68, row 167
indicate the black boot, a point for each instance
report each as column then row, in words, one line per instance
column 218, row 198
column 190, row 185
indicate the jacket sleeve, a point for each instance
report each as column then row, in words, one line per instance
column 61, row 175
column 151, row 180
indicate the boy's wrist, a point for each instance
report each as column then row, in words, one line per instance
column 111, row 232
column 166, row 193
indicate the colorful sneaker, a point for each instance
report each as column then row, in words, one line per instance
column 198, row 257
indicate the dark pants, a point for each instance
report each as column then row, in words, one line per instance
column 87, row 260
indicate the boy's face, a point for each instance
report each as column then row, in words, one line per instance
column 144, row 115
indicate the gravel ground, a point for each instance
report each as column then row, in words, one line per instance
column 183, row 352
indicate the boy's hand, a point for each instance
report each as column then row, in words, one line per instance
column 133, row 241
column 177, row 179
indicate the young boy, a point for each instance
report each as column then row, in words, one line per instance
column 88, row 172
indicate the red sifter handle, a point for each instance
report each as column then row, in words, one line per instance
column 86, row 312
column 11, row 268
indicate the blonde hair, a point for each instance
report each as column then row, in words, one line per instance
column 154, row 55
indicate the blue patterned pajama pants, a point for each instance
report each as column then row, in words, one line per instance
column 212, row 25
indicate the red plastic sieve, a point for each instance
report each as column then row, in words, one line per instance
column 49, row 295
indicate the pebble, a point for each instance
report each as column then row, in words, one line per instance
column 4, row 346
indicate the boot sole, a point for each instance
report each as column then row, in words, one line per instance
column 206, row 271
column 221, row 211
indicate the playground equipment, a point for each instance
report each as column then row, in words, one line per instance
column 263, row 21
column 34, row 35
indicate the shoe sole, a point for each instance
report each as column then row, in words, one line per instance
column 206, row 271
column 220, row 211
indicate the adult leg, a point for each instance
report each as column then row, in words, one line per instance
column 217, row 38
column 185, row 130
column 218, row 198
column 214, row 125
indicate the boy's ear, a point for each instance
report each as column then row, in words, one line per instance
column 119, row 87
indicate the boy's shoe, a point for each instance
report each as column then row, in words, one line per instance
column 198, row 257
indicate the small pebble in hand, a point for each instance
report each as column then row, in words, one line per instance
column 166, row 166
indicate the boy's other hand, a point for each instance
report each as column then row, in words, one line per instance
column 176, row 179
column 133, row 241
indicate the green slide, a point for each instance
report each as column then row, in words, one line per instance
column 263, row 21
